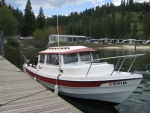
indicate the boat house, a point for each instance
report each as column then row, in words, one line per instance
column 68, row 38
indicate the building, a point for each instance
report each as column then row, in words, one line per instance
column 25, row 38
column 131, row 41
column 121, row 41
column 68, row 38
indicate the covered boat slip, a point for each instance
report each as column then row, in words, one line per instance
column 19, row 93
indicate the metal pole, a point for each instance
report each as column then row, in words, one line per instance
column 135, row 47
column 2, row 43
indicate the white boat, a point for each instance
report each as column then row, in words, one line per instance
column 77, row 71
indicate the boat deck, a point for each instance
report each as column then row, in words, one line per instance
column 19, row 93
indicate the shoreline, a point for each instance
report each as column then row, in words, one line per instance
column 132, row 47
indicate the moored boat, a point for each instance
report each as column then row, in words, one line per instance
column 77, row 71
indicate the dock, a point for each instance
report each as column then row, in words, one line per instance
column 19, row 93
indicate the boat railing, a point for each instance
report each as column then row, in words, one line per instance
column 118, row 62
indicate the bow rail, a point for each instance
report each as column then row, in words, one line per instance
column 117, row 57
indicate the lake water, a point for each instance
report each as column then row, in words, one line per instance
column 138, row 102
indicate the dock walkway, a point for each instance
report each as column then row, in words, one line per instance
column 21, row 94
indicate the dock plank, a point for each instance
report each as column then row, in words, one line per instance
column 19, row 93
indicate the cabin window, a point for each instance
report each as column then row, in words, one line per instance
column 86, row 56
column 52, row 59
column 70, row 58
column 94, row 55
column 42, row 58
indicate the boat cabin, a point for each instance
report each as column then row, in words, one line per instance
column 68, row 55
column 71, row 60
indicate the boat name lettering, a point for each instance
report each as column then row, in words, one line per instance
column 118, row 83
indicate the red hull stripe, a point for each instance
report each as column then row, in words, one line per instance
column 72, row 83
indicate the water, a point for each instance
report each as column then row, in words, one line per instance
column 139, row 101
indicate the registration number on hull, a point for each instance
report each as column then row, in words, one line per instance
column 118, row 83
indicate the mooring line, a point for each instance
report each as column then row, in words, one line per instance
column 22, row 97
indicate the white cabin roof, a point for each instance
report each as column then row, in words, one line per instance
column 66, row 50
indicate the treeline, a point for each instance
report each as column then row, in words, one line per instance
column 128, row 20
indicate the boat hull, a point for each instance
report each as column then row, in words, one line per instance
column 110, row 90
column 108, row 94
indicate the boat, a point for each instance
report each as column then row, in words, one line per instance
column 77, row 71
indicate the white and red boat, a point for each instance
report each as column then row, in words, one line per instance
column 77, row 71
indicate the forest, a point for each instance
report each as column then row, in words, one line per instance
column 128, row 20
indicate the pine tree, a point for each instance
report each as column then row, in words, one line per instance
column 3, row 2
column 8, row 22
column 29, row 21
column 146, row 26
column 122, row 7
column 131, row 5
column 41, row 19
column 135, row 30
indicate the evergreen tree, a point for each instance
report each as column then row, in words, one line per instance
column 41, row 19
column 131, row 5
column 127, row 28
column 122, row 7
column 146, row 26
column 3, row 2
column 8, row 22
column 121, row 27
column 29, row 20
column 135, row 30
column 19, row 16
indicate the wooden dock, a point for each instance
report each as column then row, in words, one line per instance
column 21, row 94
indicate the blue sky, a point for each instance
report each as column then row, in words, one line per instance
column 61, row 7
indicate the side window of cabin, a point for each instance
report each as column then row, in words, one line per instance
column 70, row 58
column 42, row 58
column 52, row 59
column 48, row 60
column 85, row 56
column 95, row 55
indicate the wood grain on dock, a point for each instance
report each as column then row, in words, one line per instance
column 21, row 94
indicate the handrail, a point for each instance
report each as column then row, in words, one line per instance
column 26, row 60
column 125, row 57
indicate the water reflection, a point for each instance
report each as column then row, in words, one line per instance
column 141, row 94
column 91, row 106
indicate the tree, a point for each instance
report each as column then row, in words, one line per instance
column 146, row 26
column 122, row 7
column 3, row 3
column 41, row 19
column 135, row 30
column 131, row 5
column 8, row 22
column 41, row 36
column 19, row 16
column 29, row 20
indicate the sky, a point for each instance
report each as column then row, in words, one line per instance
column 61, row 7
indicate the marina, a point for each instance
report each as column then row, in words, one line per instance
column 19, row 93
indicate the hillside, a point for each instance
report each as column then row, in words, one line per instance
column 128, row 20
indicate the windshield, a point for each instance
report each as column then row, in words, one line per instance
column 86, row 56
column 70, row 58
column 52, row 59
